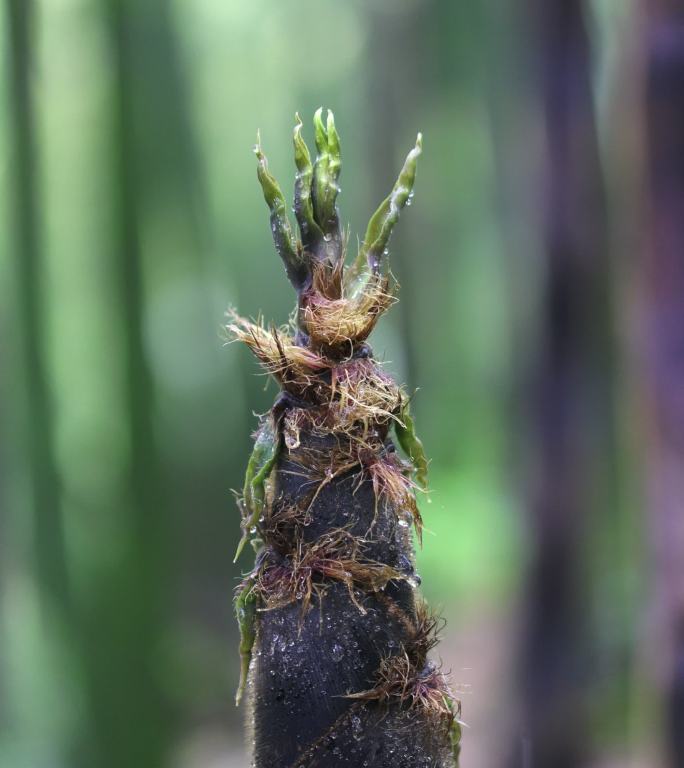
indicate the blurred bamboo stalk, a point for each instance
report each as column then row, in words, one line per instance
column 48, row 534
column 125, row 624
column 390, row 105
column 663, row 354
column 570, row 397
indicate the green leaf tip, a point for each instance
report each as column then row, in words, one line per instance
column 270, row 187
column 405, row 430
column 321, row 242
column 326, row 172
column 285, row 243
column 335, row 162
column 302, row 155
column 303, row 204
column 383, row 220
column 386, row 216
column 245, row 612
column 320, row 136
column 259, row 467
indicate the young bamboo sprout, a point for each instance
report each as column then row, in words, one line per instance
column 334, row 636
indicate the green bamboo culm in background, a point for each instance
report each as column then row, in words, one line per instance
column 335, row 637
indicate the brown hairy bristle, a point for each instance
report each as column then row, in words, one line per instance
column 344, row 321
column 337, row 556
column 291, row 364
column 409, row 677
column 398, row 680
column 392, row 480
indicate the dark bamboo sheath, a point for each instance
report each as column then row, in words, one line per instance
column 305, row 665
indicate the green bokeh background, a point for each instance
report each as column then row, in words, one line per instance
column 149, row 225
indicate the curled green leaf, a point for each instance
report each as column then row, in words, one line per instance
column 454, row 728
column 334, row 152
column 303, row 204
column 383, row 220
column 405, row 430
column 259, row 467
column 245, row 611
column 326, row 171
column 295, row 264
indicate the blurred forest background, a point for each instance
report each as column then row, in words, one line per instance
column 541, row 319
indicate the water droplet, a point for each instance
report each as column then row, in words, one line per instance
column 253, row 529
column 403, row 523
column 337, row 652
column 327, row 237
column 356, row 727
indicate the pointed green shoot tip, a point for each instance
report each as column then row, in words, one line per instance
column 259, row 467
column 285, row 244
column 335, row 162
column 301, row 151
column 245, row 612
column 271, row 189
column 411, row 444
column 383, row 220
column 320, row 135
column 303, row 206
column 302, row 155
column 326, row 171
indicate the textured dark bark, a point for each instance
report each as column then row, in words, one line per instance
column 304, row 668
column 330, row 616
column 664, row 354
